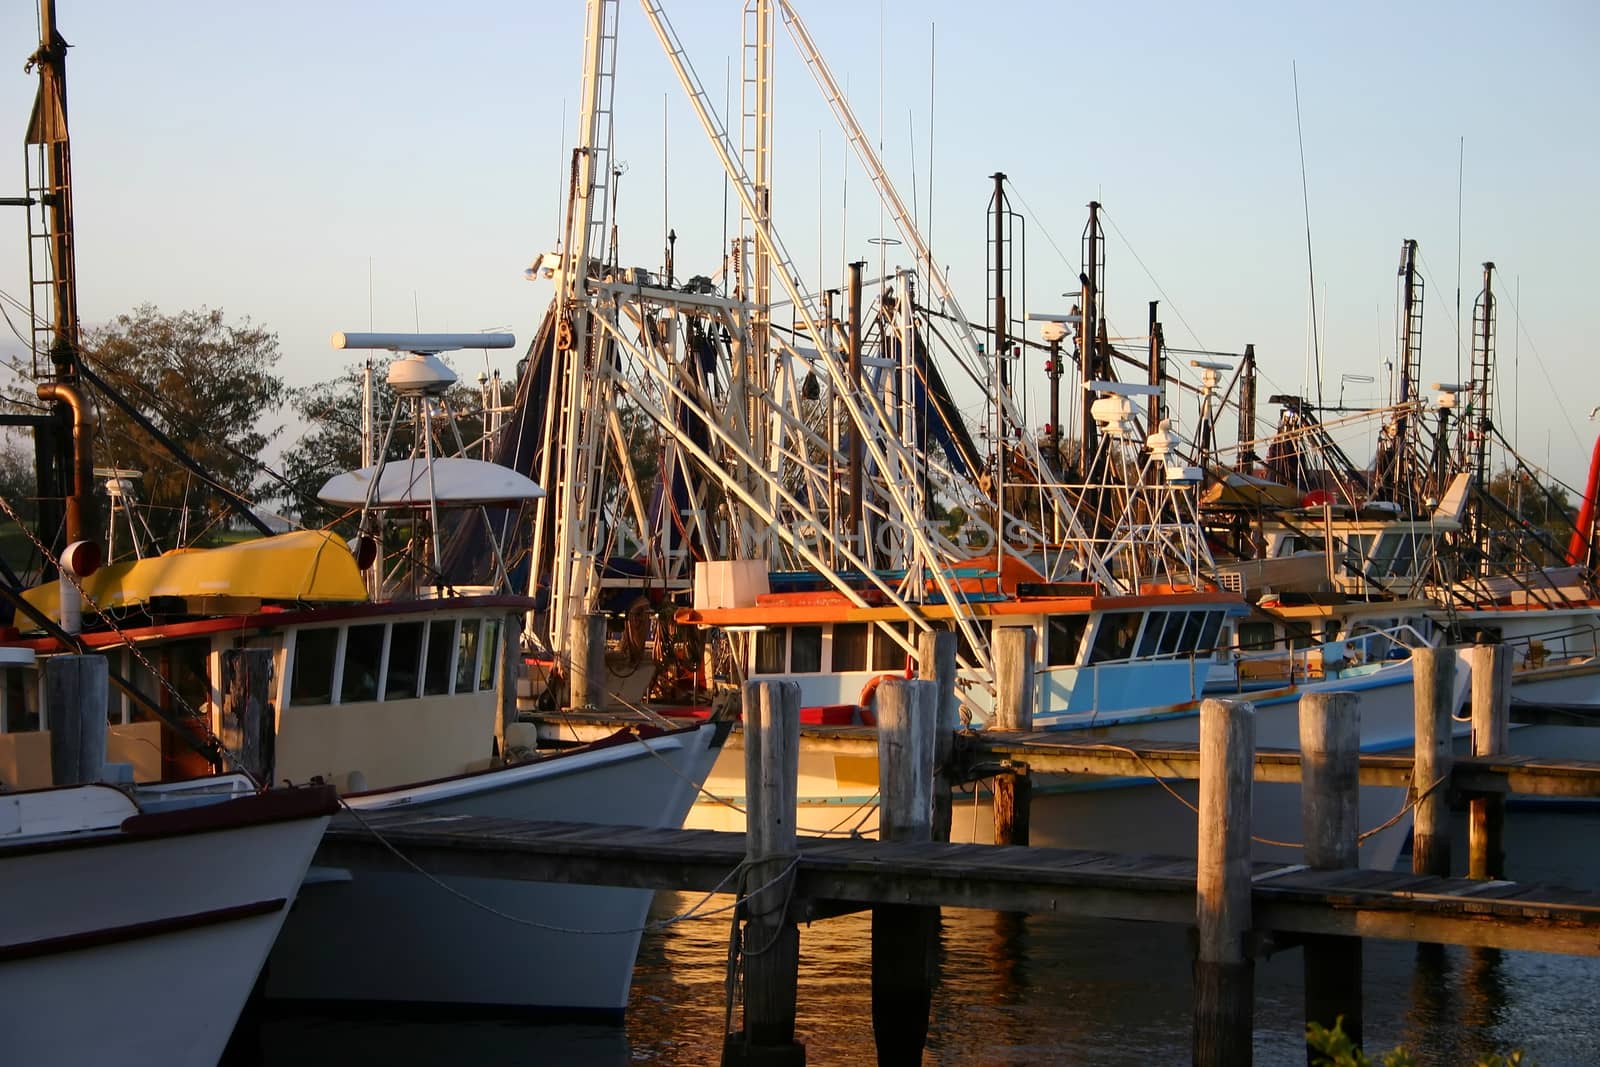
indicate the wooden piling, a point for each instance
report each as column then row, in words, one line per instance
column 771, row 944
column 75, row 703
column 1330, row 752
column 1434, row 676
column 904, row 936
column 246, row 727
column 1014, row 692
column 586, row 672
column 1491, row 723
column 936, row 659
column 1224, row 974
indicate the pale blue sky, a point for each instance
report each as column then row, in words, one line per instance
column 258, row 157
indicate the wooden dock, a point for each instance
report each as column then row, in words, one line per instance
column 1236, row 907
column 830, row 873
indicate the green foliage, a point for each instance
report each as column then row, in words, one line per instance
column 204, row 382
column 1333, row 1048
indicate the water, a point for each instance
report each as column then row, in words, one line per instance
column 1047, row 989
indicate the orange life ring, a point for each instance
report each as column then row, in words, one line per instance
column 869, row 690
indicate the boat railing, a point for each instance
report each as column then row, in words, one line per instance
column 1534, row 650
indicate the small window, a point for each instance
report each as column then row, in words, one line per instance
column 1256, row 636
column 805, row 649
column 490, row 653
column 850, row 646
column 769, row 650
column 22, row 703
column 887, row 653
column 441, row 643
column 363, row 653
column 1209, row 632
column 1172, row 637
column 1114, row 638
column 1298, row 634
column 467, row 660
column 1193, row 623
column 311, row 680
column 964, row 647
column 1150, row 640
column 405, row 658
column 1063, row 638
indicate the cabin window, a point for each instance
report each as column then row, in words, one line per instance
column 22, row 702
column 1210, row 631
column 805, row 649
column 887, row 653
column 405, row 656
column 1063, row 638
column 1150, row 640
column 1172, row 636
column 311, row 680
column 441, row 643
column 363, row 655
column 1114, row 638
column 982, row 626
column 187, row 668
column 467, row 657
column 850, row 646
column 769, row 650
column 1298, row 634
column 1256, row 636
column 490, row 653
column 1193, row 623
column 1356, row 548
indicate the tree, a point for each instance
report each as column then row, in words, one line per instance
column 208, row 385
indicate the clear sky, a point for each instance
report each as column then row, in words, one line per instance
column 283, row 160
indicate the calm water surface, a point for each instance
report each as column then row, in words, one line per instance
column 1047, row 990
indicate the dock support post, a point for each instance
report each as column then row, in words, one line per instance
column 903, row 935
column 1491, row 721
column 1224, row 974
column 1330, row 777
column 75, row 702
column 587, row 670
column 771, row 943
column 1014, row 686
column 936, row 662
column 1434, row 676
column 247, row 727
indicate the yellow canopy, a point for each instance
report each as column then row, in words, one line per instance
column 302, row 565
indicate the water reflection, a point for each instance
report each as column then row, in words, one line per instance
column 1039, row 989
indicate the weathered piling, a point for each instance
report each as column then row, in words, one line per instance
column 1013, row 710
column 247, row 728
column 75, row 701
column 1224, row 974
column 1330, row 753
column 1491, row 724
column 771, row 945
column 586, row 672
column 904, row 936
column 936, row 662
column 1434, row 677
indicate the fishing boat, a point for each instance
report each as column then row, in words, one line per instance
column 137, row 920
column 403, row 698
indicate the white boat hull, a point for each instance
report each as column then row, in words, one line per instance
column 838, row 793
column 402, row 939
column 143, row 951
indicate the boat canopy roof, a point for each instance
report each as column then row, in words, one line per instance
column 455, row 482
column 304, row 565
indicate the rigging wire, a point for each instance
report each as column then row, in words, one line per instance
column 1305, row 201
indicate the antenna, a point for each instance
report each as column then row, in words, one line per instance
column 1305, row 202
